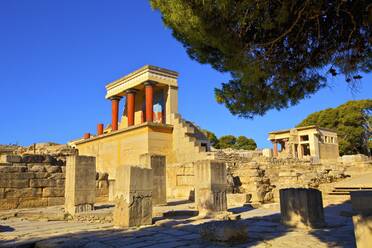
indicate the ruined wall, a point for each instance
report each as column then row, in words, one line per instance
column 37, row 181
column 264, row 177
column 328, row 151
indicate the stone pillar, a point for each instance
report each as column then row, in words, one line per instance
column 114, row 112
column 80, row 185
column 158, row 166
column 361, row 202
column 133, row 196
column 100, row 129
column 111, row 195
column 275, row 149
column 149, row 92
column 210, row 186
column 302, row 207
column 130, row 106
column 363, row 230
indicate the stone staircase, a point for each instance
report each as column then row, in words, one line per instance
column 189, row 142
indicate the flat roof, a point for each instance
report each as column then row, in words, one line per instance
column 134, row 80
column 302, row 128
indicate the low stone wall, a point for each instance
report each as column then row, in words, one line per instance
column 37, row 181
column 31, row 181
column 267, row 176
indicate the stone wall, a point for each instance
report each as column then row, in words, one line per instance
column 37, row 180
column 264, row 177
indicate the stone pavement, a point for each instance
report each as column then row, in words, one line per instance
column 23, row 228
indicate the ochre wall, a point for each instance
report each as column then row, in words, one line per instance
column 124, row 147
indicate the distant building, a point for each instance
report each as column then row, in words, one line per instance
column 302, row 142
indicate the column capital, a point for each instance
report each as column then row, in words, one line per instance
column 131, row 91
column 115, row 98
column 149, row 83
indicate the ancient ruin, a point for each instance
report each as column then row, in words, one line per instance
column 151, row 178
column 311, row 141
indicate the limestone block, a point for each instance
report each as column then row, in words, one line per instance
column 224, row 231
column 361, row 201
column 80, row 186
column 53, row 192
column 157, row 164
column 210, row 186
column 53, row 169
column 53, row 201
column 36, row 167
column 57, row 176
column 302, row 207
column 22, row 193
column 12, row 169
column 17, row 175
column 238, row 199
column 111, row 194
column 9, row 203
column 33, row 158
column 60, row 182
column 14, row 183
column 363, row 230
column 6, row 158
column 40, row 183
column 41, row 175
column 133, row 196
column 267, row 152
column 32, row 202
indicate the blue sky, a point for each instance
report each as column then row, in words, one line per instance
column 57, row 56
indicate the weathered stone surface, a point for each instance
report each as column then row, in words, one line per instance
column 11, row 169
column 36, row 168
column 17, row 175
column 22, row 193
column 6, row 158
column 80, row 184
column 31, row 202
column 302, row 207
column 111, row 193
column 43, row 183
column 224, row 231
column 53, row 169
column 57, row 176
column 363, row 230
column 133, row 196
column 41, row 175
column 14, row 183
column 33, row 158
column 210, row 186
column 361, row 201
column 238, row 199
column 53, row 192
column 53, row 201
column 158, row 166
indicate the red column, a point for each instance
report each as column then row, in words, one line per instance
column 114, row 113
column 86, row 135
column 275, row 149
column 149, row 92
column 100, row 129
column 130, row 106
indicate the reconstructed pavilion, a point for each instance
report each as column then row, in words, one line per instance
column 302, row 142
column 149, row 125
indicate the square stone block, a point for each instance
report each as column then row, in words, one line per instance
column 80, row 184
column 361, row 201
column 363, row 230
column 133, row 196
column 210, row 186
column 302, row 207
